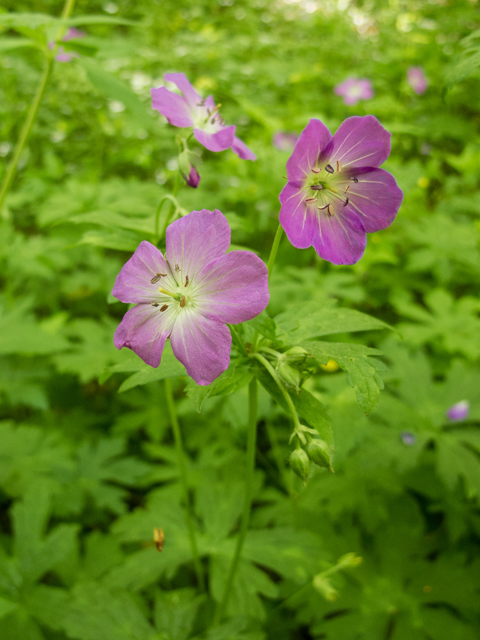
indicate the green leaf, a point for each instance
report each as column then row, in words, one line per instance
column 115, row 239
column 233, row 379
column 175, row 612
column 22, row 334
column 98, row 19
column 31, row 20
column 264, row 325
column 302, row 322
column 6, row 607
column 169, row 367
column 356, row 360
column 9, row 44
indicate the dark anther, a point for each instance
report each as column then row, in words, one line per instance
column 339, row 166
column 155, row 278
column 182, row 301
column 186, row 280
column 177, row 268
column 164, row 308
column 324, row 207
column 329, row 168
column 316, row 187
column 354, row 179
column 154, row 304
column 346, row 202
column 348, row 187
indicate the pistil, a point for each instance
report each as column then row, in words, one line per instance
column 175, row 296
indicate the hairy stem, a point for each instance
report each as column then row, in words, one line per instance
column 183, row 478
column 274, row 250
column 247, row 502
column 33, row 111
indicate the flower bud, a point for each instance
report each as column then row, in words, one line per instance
column 319, row 453
column 349, row 560
column 290, row 376
column 296, row 355
column 193, row 178
column 300, row 464
column 322, row 584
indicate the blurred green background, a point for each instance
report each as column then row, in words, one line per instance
column 87, row 472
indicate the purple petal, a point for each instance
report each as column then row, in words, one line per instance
column 234, row 287
column 191, row 96
column 417, row 79
column 217, row 141
column 241, row 149
column 341, row 238
column 144, row 329
column 73, row 33
column 202, row 345
column 312, row 141
column 299, row 224
column 133, row 283
column 360, row 141
column 195, row 240
column 375, row 198
column 193, row 178
column 459, row 411
column 354, row 89
column 64, row 57
column 172, row 106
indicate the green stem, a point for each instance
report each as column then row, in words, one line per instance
column 160, row 229
column 274, row 250
column 33, row 111
column 277, row 454
column 183, row 478
column 237, row 339
column 297, row 426
column 247, row 502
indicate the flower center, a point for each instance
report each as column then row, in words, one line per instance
column 327, row 185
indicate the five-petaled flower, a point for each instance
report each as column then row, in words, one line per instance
column 353, row 90
column 417, row 79
column 189, row 295
column 335, row 192
column 190, row 110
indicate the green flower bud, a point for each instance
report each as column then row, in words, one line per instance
column 290, row 376
column 300, row 464
column 184, row 162
column 296, row 355
column 319, row 453
column 349, row 560
column 323, row 585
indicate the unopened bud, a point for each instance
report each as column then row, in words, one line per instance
column 322, row 585
column 296, row 355
column 300, row 464
column 290, row 376
column 193, row 178
column 184, row 162
column 350, row 560
column 319, row 452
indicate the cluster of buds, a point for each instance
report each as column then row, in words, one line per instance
column 291, row 368
column 316, row 451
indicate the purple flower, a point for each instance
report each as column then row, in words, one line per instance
column 284, row 141
column 354, row 89
column 71, row 34
column 335, row 192
column 190, row 295
column 190, row 110
column 408, row 438
column 458, row 411
column 193, row 178
column 417, row 79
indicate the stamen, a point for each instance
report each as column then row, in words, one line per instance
column 156, row 277
column 339, row 166
column 316, row 187
column 186, row 281
column 329, row 168
column 177, row 268
column 155, row 304
column 310, row 200
column 347, row 189
column 354, row 179
column 164, row 307
column 330, row 210
column 182, row 301
column 346, row 202
column 324, row 207
column 316, row 170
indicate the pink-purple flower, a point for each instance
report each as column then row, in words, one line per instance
column 71, row 34
column 284, row 140
column 190, row 110
column 417, row 79
column 189, row 295
column 459, row 411
column 335, row 192
column 353, row 90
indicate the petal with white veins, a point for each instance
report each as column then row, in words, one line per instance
column 312, row 142
column 173, row 107
column 360, row 141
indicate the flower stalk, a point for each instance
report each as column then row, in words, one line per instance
column 33, row 111
column 184, row 481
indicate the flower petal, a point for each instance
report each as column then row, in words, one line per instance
column 195, row 240
column 234, row 288
column 202, row 345
column 144, row 329
column 133, row 283
column 376, row 198
column 360, row 141
column 191, row 96
column 341, row 238
column 312, row 141
column 175, row 108
column 241, row 149
column 299, row 224
column 217, row 141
